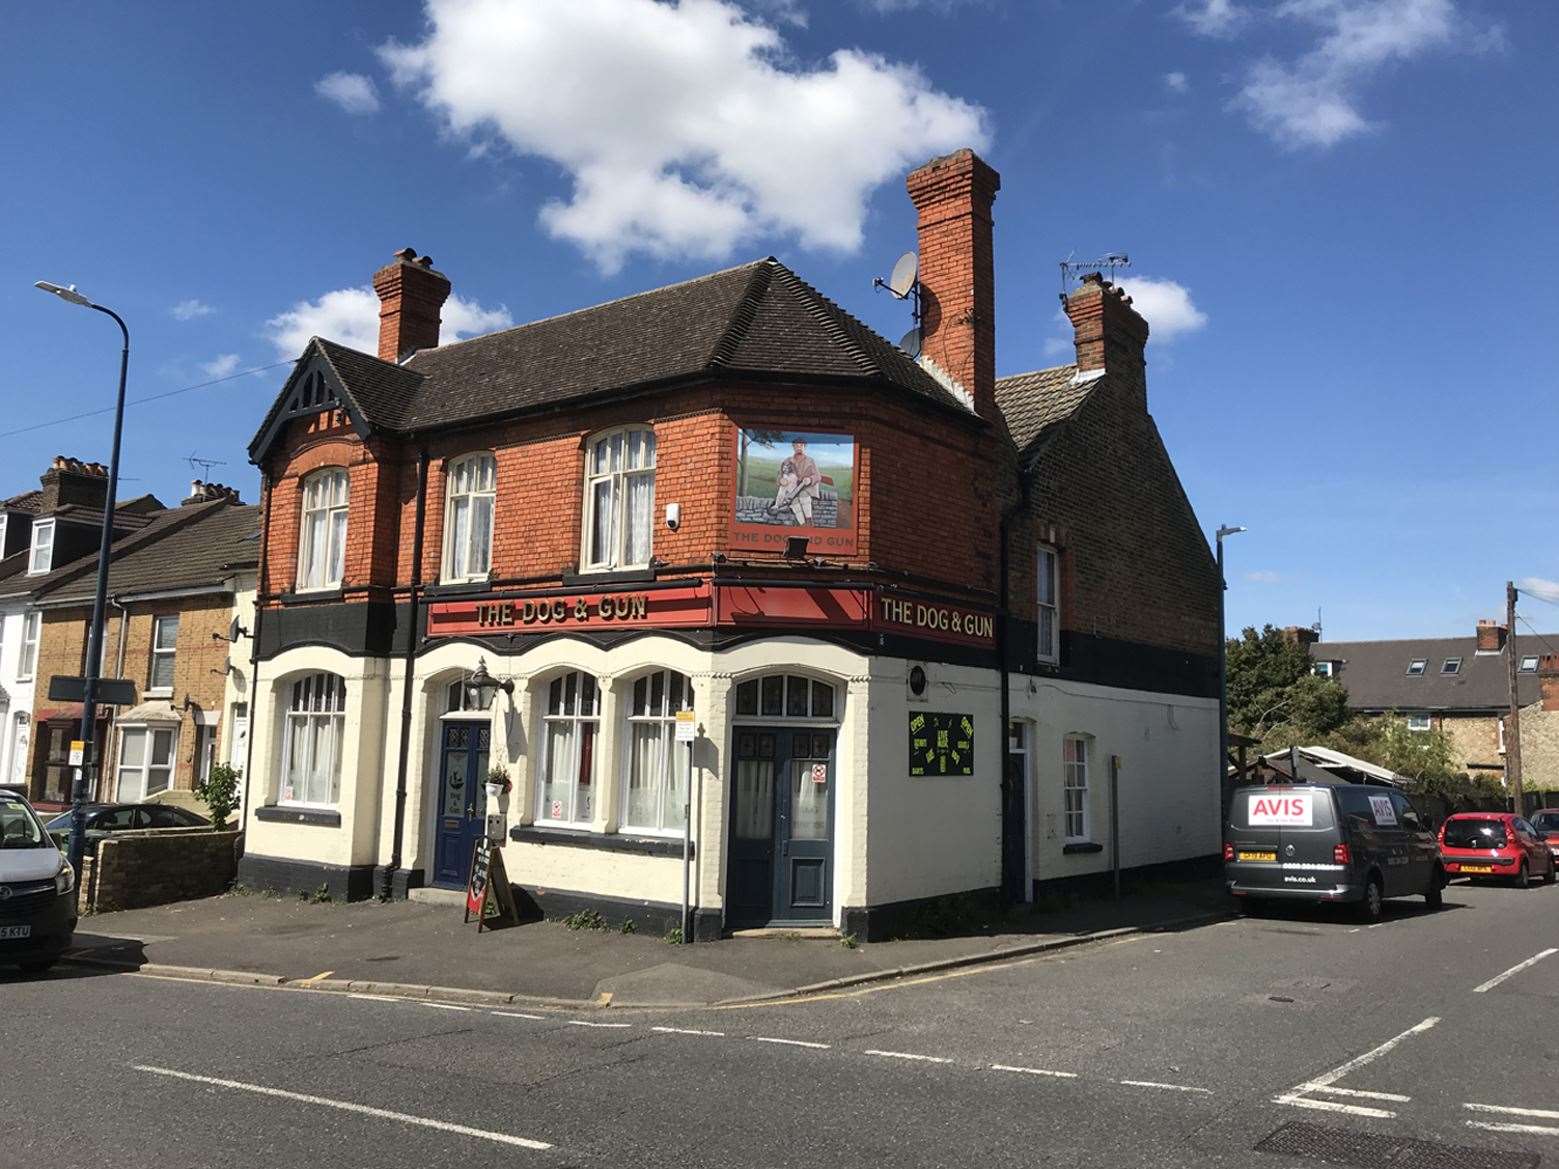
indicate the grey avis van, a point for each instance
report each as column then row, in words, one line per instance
column 1320, row 842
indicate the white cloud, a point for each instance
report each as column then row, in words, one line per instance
column 188, row 310
column 1547, row 590
column 1212, row 18
column 889, row 7
column 350, row 317
column 1263, row 576
column 1166, row 304
column 684, row 128
column 1313, row 101
column 1176, row 82
column 789, row 11
column 221, row 365
column 353, row 92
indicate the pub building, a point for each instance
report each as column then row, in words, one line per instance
column 942, row 632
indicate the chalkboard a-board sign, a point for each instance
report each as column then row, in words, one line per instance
column 487, row 892
column 940, row 743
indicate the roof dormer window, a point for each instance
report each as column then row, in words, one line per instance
column 41, row 559
column 1416, row 667
column 1322, row 669
column 1451, row 666
column 1529, row 664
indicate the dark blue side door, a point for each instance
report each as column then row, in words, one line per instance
column 780, row 861
column 462, row 807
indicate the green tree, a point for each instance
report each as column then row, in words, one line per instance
column 1273, row 696
column 219, row 792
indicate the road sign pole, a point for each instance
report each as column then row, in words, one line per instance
column 687, row 731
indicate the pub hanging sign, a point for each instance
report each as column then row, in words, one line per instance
column 940, row 743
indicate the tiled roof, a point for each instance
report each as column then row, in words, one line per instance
column 759, row 318
column 27, row 501
column 1375, row 673
column 1034, row 402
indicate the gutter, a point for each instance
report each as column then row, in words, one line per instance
column 387, row 881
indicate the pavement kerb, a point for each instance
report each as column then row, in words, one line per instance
column 188, row 973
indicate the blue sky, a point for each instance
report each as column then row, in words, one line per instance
column 1342, row 213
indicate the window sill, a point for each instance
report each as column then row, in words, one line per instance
column 455, row 588
column 601, row 841
column 333, row 593
column 1082, row 846
column 282, row 814
column 157, row 692
column 587, row 576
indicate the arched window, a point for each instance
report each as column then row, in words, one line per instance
column 565, row 794
column 619, row 500
column 311, row 744
column 656, row 779
column 468, row 517
column 322, row 535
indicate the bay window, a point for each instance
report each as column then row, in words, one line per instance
column 468, row 517
column 565, row 794
column 322, row 535
column 619, row 504
column 311, row 742
column 146, row 756
column 656, row 771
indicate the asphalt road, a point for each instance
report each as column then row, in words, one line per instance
column 1176, row 1049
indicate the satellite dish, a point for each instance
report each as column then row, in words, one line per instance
column 910, row 342
column 903, row 278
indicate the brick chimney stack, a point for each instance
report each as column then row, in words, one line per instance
column 953, row 197
column 1491, row 636
column 201, row 492
column 1548, row 680
column 70, row 481
column 1300, row 635
column 411, row 294
column 1110, row 334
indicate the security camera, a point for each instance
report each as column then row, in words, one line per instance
column 673, row 516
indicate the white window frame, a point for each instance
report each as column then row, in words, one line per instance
column 1322, row 669
column 32, row 628
column 1526, row 669
column 1499, row 730
column 636, row 441
column 1450, row 666
column 321, row 568
column 317, row 703
column 1417, row 667
column 158, row 652
column 1420, row 722
column 38, row 545
column 1047, row 571
column 669, row 757
column 143, row 770
column 471, row 483
column 1071, row 771
column 582, row 724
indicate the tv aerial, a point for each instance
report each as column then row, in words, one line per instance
column 1073, row 271
column 903, row 283
column 198, row 462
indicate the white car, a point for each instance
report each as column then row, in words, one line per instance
column 37, row 890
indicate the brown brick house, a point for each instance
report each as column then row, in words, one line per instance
column 920, row 612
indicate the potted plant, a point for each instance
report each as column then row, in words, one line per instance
column 497, row 782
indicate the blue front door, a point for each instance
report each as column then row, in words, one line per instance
column 462, row 806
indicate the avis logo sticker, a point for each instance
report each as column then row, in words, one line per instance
column 1292, row 810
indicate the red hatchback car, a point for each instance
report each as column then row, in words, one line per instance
column 1495, row 844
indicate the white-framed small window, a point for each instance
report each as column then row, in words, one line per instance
column 41, row 558
column 31, row 624
column 1049, row 604
column 1074, row 788
column 1419, row 722
column 1451, row 666
column 1529, row 664
column 146, row 760
column 322, row 534
column 619, row 504
column 1322, row 669
column 1500, row 733
column 786, row 696
column 458, row 698
column 471, row 494
column 165, row 640
column 1416, row 667
column 566, row 793
column 311, row 746
column 655, row 779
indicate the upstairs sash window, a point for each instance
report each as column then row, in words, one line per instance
column 322, row 538
column 619, row 499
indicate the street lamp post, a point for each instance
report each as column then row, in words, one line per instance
column 1223, row 676
column 86, row 772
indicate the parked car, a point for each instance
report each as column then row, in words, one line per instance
column 103, row 819
column 37, row 890
column 1547, row 820
column 1495, row 844
column 1354, row 843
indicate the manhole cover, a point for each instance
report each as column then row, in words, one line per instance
column 1341, row 1146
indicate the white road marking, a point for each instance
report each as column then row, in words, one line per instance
column 502, row 1138
column 376, row 998
column 907, row 1055
column 1166, row 1087
column 519, row 1015
column 688, row 1031
column 439, row 1006
column 1516, row 969
column 788, row 1042
column 1358, row 1092
column 1295, row 1097
column 1498, row 1126
column 1003, row 1067
column 1539, row 1113
column 586, row 1023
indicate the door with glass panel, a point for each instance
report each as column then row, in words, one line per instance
column 462, row 811
column 782, row 826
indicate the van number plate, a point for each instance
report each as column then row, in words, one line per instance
column 1258, row 856
column 15, row 931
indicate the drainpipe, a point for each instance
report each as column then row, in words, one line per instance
column 1004, row 665
column 386, row 882
column 119, row 672
column 260, row 585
